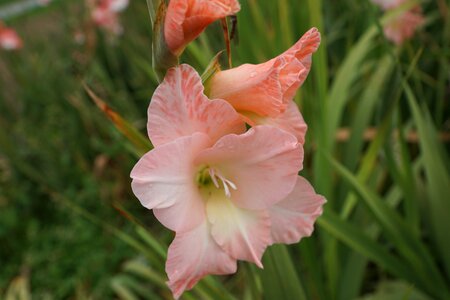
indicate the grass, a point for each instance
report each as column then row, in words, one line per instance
column 71, row 228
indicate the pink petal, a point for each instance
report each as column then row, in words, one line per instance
column 186, row 19
column 297, row 63
column 193, row 255
column 118, row 5
column 9, row 39
column 179, row 108
column 107, row 19
column 293, row 218
column 387, row 4
column 260, row 81
column 403, row 26
column 163, row 180
column 243, row 234
column 262, row 163
column 290, row 120
column 272, row 84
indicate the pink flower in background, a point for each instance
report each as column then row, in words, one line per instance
column 44, row 2
column 186, row 19
column 227, row 193
column 404, row 25
column 9, row 39
column 263, row 93
column 106, row 14
column 388, row 4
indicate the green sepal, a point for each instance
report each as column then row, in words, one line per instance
column 163, row 59
column 213, row 67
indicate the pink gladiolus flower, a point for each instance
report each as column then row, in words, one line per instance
column 44, row 2
column 106, row 14
column 186, row 19
column 263, row 93
column 9, row 39
column 227, row 193
column 388, row 4
column 403, row 26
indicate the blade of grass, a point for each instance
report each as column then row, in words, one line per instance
column 399, row 233
column 279, row 278
column 365, row 110
column 142, row 270
column 141, row 143
column 437, row 175
column 285, row 24
column 314, row 281
column 360, row 242
column 120, row 285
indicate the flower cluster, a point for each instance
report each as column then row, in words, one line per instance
column 403, row 26
column 227, row 192
column 105, row 14
column 9, row 39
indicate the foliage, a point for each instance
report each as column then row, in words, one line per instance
column 377, row 149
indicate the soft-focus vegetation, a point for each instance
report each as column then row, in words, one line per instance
column 377, row 148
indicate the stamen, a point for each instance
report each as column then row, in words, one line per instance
column 233, row 186
column 227, row 190
column 214, row 174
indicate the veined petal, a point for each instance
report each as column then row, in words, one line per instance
column 179, row 108
column 291, row 120
column 262, row 163
column 297, row 63
column 193, row 255
column 164, row 180
column 243, row 234
column 186, row 19
column 266, row 89
column 293, row 218
column 250, row 88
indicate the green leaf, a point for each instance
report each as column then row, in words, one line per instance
column 212, row 68
column 365, row 109
column 399, row 234
column 163, row 58
column 120, row 287
column 279, row 278
column 141, row 143
column 145, row 271
column 361, row 243
column 18, row 289
column 438, row 178
column 395, row 290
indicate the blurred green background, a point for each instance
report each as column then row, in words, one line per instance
column 377, row 148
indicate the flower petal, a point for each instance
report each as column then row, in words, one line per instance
column 164, row 180
column 118, row 5
column 293, row 218
column 290, row 120
column 186, row 19
column 271, row 84
column 9, row 39
column 179, row 108
column 250, row 88
column 193, row 255
column 297, row 63
column 262, row 163
column 388, row 4
column 403, row 26
column 243, row 234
